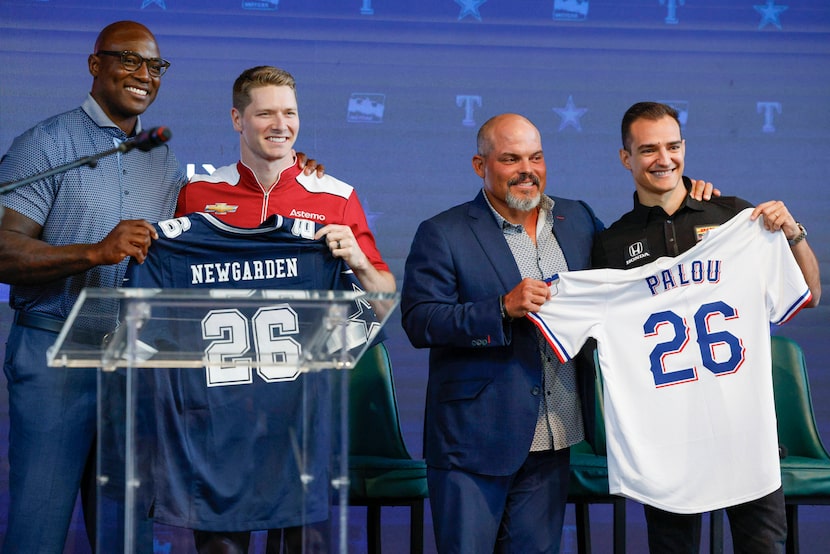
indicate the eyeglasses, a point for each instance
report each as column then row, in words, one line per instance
column 131, row 61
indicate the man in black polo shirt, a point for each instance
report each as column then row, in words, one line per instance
column 666, row 221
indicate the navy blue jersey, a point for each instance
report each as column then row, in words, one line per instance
column 231, row 437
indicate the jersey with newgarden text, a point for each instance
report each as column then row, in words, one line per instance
column 242, row 446
column 684, row 351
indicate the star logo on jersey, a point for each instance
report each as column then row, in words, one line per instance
column 220, row 208
column 364, row 319
column 469, row 7
column 570, row 10
column 362, row 326
column 159, row 3
column 769, row 14
column 570, row 115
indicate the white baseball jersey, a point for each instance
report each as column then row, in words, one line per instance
column 685, row 356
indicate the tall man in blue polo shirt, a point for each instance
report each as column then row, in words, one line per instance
column 57, row 236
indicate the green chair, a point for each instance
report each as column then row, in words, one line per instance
column 381, row 471
column 805, row 467
column 589, row 485
column 589, row 480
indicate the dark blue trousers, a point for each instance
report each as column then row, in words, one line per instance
column 513, row 514
column 52, row 421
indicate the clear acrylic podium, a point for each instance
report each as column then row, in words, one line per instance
column 221, row 410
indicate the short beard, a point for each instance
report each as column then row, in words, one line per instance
column 522, row 204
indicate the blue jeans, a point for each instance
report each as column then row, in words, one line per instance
column 758, row 527
column 52, row 417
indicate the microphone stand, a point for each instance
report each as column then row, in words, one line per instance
column 91, row 161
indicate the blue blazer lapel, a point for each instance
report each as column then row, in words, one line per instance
column 491, row 240
column 572, row 227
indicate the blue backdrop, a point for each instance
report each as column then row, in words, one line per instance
column 392, row 92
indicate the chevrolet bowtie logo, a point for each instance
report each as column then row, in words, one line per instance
column 220, row 208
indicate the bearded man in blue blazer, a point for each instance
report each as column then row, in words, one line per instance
column 501, row 411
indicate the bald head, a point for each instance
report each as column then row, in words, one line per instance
column 500, row 125
column 114, row 31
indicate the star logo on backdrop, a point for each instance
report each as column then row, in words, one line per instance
column 570, row 114
column 159, row 3
column 469, row 7
column 769, row 14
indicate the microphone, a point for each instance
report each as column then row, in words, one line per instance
column 147, row 140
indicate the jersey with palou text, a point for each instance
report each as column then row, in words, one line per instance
column 684, row 352
column 241, row 447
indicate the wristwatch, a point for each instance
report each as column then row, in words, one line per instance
column 503, row 310
column 801, row 236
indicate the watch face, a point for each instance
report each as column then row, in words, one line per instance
column 801, row 235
